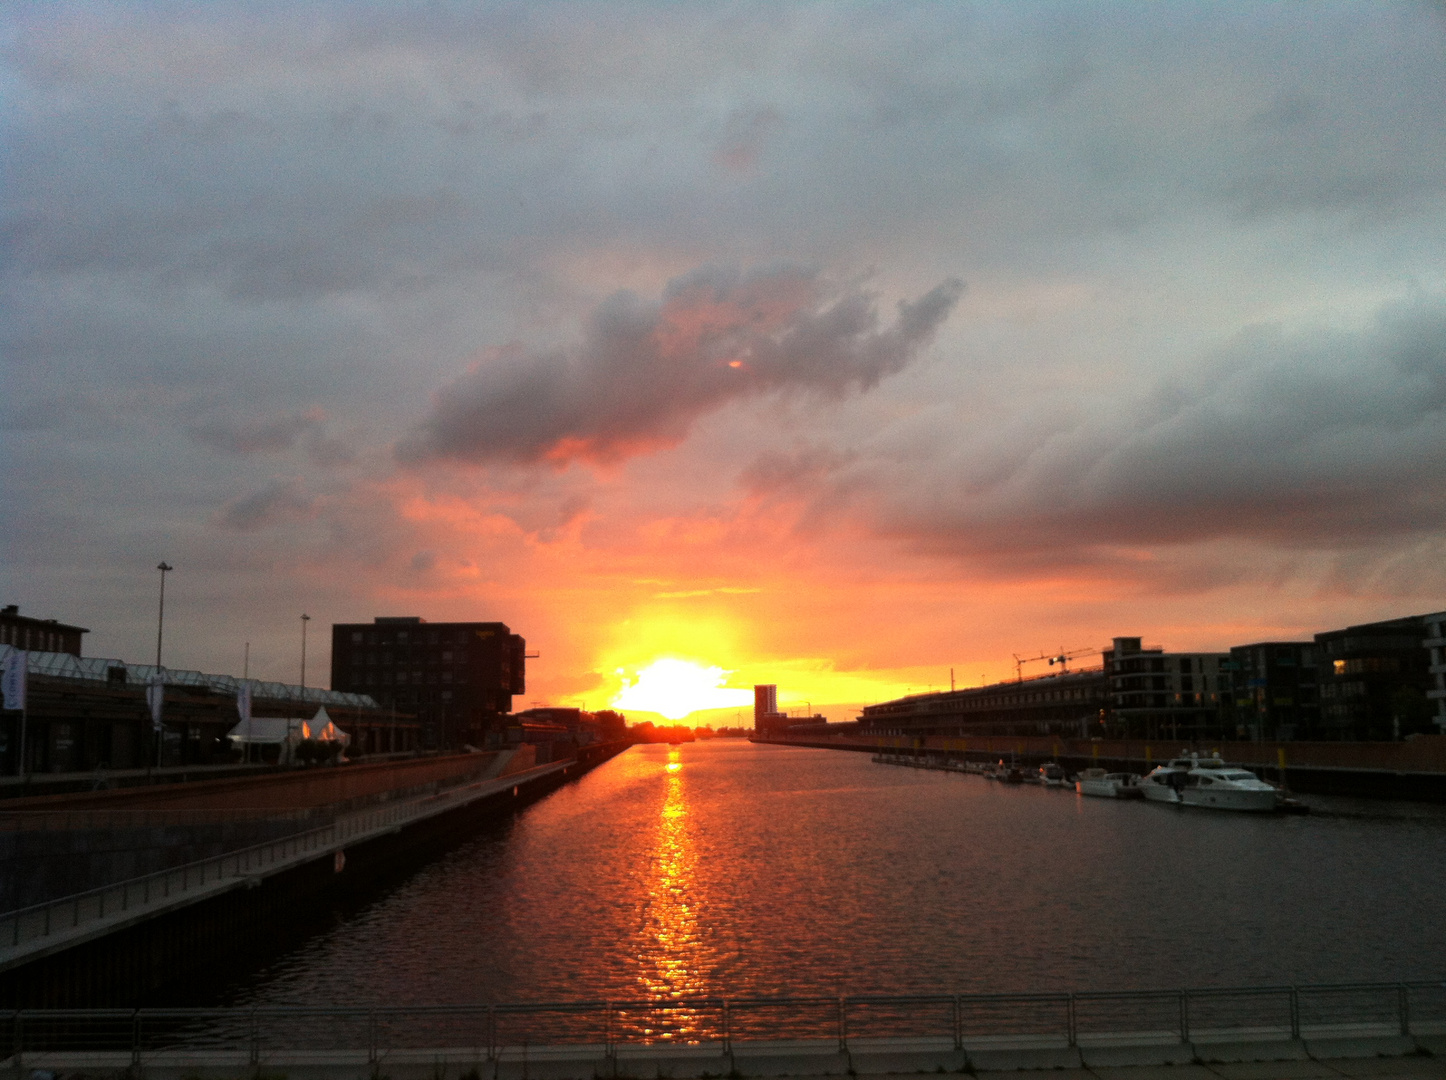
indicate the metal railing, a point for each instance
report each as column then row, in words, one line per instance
column 33, row 928
column 851, row 1024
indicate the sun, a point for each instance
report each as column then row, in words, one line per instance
column 675, row 688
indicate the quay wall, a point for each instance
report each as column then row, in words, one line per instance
column 1412, row 769
column 54, row 846
column 172, row 958
column 292, row 789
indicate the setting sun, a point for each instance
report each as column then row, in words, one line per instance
column 675, row 688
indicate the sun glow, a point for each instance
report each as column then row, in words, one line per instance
column 675, row 688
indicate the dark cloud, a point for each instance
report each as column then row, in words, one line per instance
column 279, row 501
column 1326, row 439
column 644, row 372
column 276, row 436
column 258, row 438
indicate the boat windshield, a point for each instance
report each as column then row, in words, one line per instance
column 1238, row 776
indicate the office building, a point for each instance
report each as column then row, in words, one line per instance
column 1273, row 691
column 457, row 678
column 1375, row 679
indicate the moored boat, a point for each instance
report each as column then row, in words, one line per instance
column 1052, row 774
column 1108, row 785
column 1210, row 783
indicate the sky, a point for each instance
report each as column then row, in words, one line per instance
column 830, row 345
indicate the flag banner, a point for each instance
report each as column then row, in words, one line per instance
column 243, row 702
column 156, row 698
column 12, row 679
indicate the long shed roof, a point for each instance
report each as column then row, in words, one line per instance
column 97, row 669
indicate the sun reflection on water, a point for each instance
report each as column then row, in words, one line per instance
column 671, row 950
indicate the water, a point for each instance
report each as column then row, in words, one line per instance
column 728, row 868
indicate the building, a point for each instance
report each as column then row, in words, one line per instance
column 1274, row 691
column 85, row 714
column 1435, row 645
column 458, row 679
column 767, row 719
column 1154, row 694
column 1376, row 678
column 41, row 635
column 1067, row 703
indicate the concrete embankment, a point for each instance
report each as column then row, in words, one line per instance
column 126, row 942
column 1412, row 769
column 60, row 845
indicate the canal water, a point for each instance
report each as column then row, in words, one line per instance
column 732, row 869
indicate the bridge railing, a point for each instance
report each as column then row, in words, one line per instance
column 940, row 1021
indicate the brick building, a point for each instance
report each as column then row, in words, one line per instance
column 457, row 678
column 40, row 635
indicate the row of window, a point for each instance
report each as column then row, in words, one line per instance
column 416, row 637
column 27, row 637
column 446, row 656
column 418, row 678
column 1368, row 665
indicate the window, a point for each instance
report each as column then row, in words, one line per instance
column 356, row 637
column 1370, row 665
column 1185, row 666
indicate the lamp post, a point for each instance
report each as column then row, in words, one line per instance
column 304, row 620
column 163, row 567
column 158, row 682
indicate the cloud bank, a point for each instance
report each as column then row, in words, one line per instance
column 1324, row 438
column 644, row 372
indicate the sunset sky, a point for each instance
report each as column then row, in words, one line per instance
column 830, row 345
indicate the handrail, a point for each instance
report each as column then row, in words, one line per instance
column 262, row 1031
column 52, row 917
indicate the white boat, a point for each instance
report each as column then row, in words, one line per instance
column 1108, row 785
column 1210, row 783
column 1052, row 774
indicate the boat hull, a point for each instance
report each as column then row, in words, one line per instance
column 1250, row 801
column 1106, row 789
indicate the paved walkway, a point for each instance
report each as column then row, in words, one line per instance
column 1387, row 1068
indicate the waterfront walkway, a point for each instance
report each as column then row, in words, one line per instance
column 45, row 929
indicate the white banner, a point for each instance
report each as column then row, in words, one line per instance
column 243, row 702
column 156, row 698
column 12, row 679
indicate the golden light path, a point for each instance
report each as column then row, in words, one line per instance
column 671, row 951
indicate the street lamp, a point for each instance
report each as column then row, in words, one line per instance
column 163, row 567
column 155, row 693
column 304, row 620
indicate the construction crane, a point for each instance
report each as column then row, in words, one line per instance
column 1062, row 658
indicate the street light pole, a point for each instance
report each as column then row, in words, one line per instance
column 161, row 618
column 304, row 620
column 159, row 680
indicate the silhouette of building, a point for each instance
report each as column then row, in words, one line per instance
column 1375, row 679
column 40, row 635
column 457, row 678
column 1435, row 645
column 1274, row 691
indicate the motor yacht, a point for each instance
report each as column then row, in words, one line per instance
column 1108, row 785
column 1052, row 774
column 1210, row 783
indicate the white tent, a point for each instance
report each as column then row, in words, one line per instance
column 286, row 734
column 322, row 729
column 278, row 731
